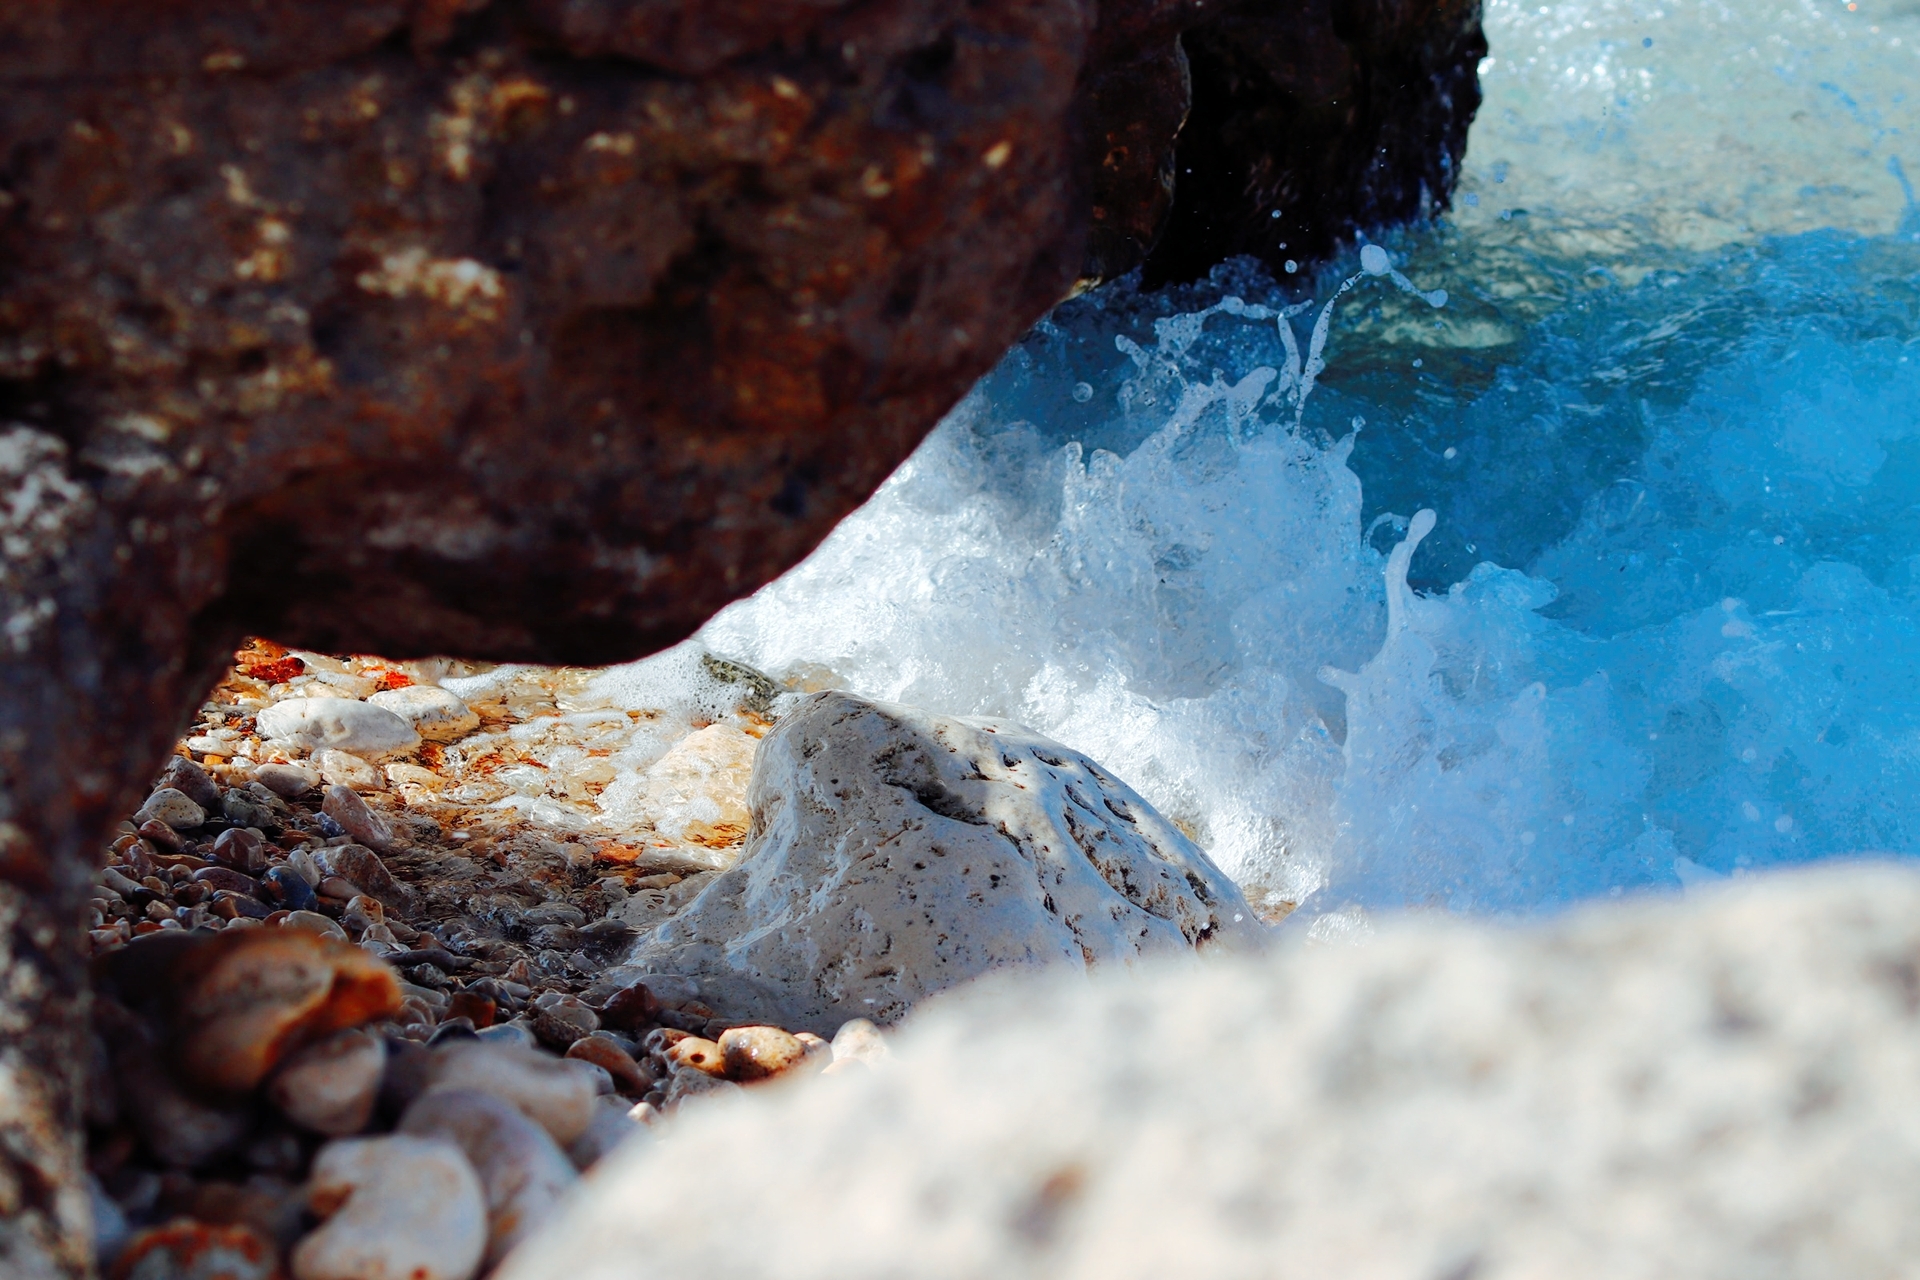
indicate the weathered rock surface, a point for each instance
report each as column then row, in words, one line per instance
column 1313, row 120
column 896, row 853
column 1722, row 1087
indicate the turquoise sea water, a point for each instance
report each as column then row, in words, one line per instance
column 1665, row 625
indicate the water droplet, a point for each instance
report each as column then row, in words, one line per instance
column 1374, row 260
column 1082, row 393
column 1292, row 266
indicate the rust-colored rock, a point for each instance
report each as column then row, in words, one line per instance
column 236, row 1003
column 189, row 1250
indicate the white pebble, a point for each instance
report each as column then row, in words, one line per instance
column 396, row 1208
column 522, row 1172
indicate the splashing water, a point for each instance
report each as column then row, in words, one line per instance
column 1601, row 574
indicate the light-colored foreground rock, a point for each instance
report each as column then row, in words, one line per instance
column 396, row 1208
column 1718, row 1089
column 895, row 853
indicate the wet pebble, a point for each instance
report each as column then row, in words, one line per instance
column 241, row 849
column 559, row 1020
column 755, row 1053
column 331, row 1086
column 522, row 1170
column 218, row 877
column 395, row 1208
column 361, row 870
column 345, row 807
column 696, row 1053
column 631, row 1008
column 190, row 780
column 290, row 889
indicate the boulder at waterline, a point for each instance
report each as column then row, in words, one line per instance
column 1719, row 1087
column 895, row 853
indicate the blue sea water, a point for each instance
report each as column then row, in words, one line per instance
column 1661, row 621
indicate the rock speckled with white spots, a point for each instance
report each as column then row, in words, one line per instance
column 897, row 853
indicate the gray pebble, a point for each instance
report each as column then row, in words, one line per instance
column 171, row 808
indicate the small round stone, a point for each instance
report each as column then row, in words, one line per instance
column 860, row 1040
column 172, row 809
column 240, row 849
column 754, row 1053
column 628, row 1076
column 695, row 1053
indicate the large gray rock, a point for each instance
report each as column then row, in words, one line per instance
column 1715, row 1088
column 894, row 853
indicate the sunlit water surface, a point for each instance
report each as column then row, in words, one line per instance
column 1666, row 624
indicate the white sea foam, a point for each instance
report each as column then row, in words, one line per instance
column 1663, row 621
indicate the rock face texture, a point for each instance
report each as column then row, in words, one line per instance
column 896, row 853
column 540, row 329
column 1313, row 121
column 1716, row 1088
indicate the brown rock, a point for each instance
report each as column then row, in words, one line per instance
column 345, row 807
column 629, row 1077
column 359, row 868
column 630, row 1008
column 472, row 1006
column 242, row 1001
column 188, row 778
column 561, row 1020
column 240, row 849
